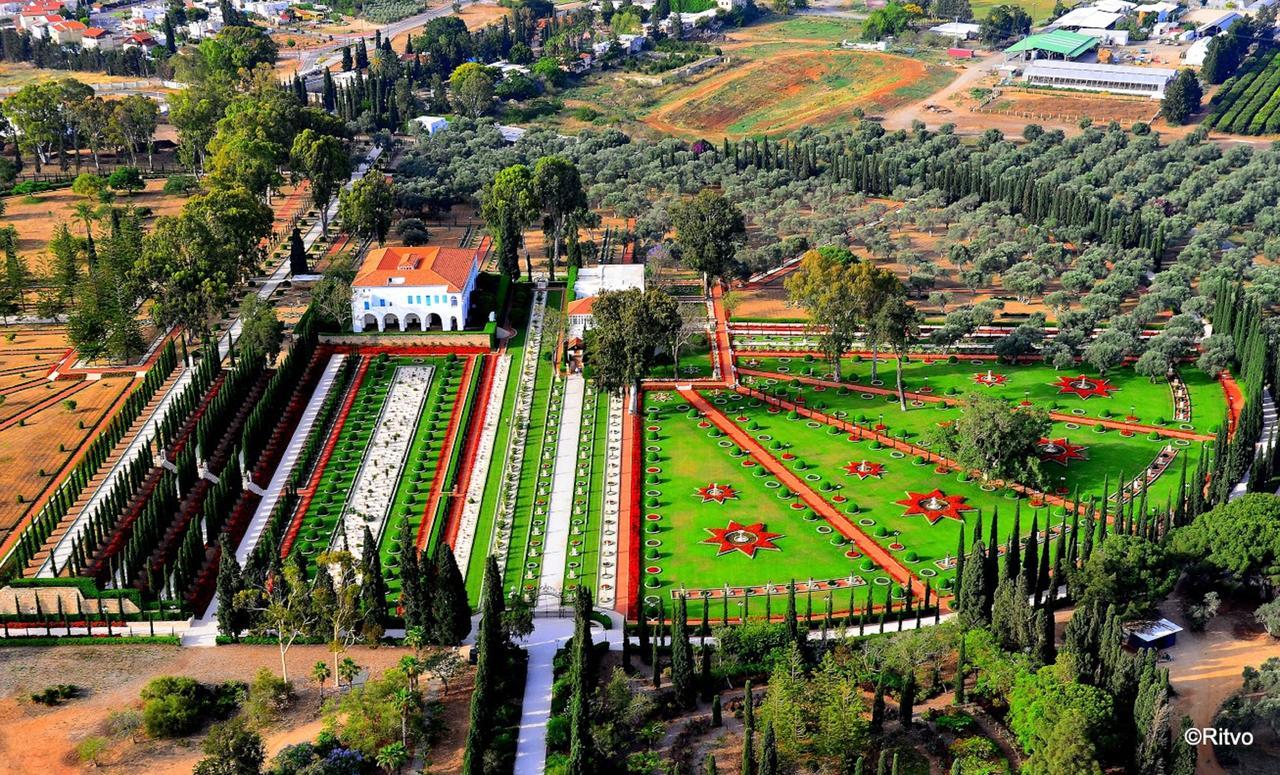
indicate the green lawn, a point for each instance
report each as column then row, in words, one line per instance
column 1151, row 403
column 1107, row 452
column 675, row 542
column 524, row 567
column 321, row 518
column 589, row 488
column 426, row 455
column 493, row 476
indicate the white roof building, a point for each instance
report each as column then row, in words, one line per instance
column 956, row 30
column 1092, row 18
column 429, row 124
column 1195, row 53
column 591, row 282
column 1108, row 37
column 1090, row 76
column 1115, row 6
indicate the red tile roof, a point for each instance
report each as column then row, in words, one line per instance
column 419, row 266
column 581, row 306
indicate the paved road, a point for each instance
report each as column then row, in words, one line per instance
column 329, row 53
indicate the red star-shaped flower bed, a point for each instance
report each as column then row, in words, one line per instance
column 717, row 493
column 1085, row 387
column 935, row 505
column 864, row 469
column 747, row 539
column 1061, row 451
column 989, row 378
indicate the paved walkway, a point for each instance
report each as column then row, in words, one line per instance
column 555, row 540
column 479, row 473
column 1262, row 442
column 549, row 635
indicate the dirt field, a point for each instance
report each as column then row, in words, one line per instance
column 37, row 216
column 1040, row 106
column 19, row 74
column 1206, row 668
column 117, row 676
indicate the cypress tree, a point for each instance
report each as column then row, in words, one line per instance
column 450, row 612
column 1042, row 572
column 716, row 720
column 709, row 766
column 1012, row 550
column 373, row 587
column 769, row 752
column 705, row 678
column 991, row 567
column 907, row 699
column 793, row 625
column 1031, row 558
column 682, row 677
column 581, row 756
column 959, row 679
column 230, row 582
column 412, row 589
column 748, row 731
column 969, row 596
column 491, row 661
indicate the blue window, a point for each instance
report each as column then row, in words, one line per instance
column 366, row 305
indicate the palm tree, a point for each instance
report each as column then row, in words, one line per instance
column 412, row 667
column 392, row 757
column 320, row 673
column 404, row 700
column 348, row 670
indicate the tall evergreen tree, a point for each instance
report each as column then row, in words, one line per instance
column 907, row 699
column 748, row 731
column 491, row 663
column 969, row 597
column 769, row 752
column 581, row 749
column 230, row 582
column 450, row 612
column 682, row 670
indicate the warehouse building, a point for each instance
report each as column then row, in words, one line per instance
column 1089, row 76
column 1059, row 44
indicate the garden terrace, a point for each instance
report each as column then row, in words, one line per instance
column 1095, row 453
column 1121, row 395
column 587, row 527
column 42, row 535
column 526, row 373
column 726, row 522
column 526, row 481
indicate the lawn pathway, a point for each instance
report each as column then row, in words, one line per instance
column 555, row 539
column 865, row 544
column 474, row 492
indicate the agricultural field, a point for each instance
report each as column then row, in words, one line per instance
column 1249, row 102
column 849, row 497
column 1054, row 105
column 781, row 75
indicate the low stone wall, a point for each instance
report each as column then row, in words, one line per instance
column 415, row 339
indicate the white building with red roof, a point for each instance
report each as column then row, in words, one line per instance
column 68, row 32
column 98, row 39
column 415, row 288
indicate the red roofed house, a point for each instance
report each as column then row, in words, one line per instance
column 98, row 38
column 142, row 40
column 67, row 32
column 420, row 288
